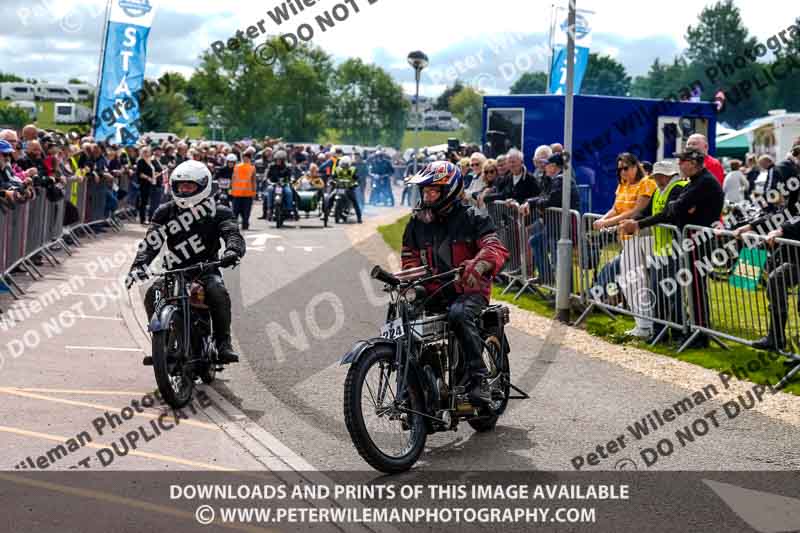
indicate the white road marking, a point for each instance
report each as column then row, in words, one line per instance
column 93, row 317
column 103, row 348
column 280, row 249
column 260, row 239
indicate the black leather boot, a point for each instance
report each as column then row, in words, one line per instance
column 225, row 352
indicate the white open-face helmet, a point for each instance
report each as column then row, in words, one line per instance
column 195, row 172
column 231, row 158
column 345, row 162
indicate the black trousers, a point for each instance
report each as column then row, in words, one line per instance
column 144, row 198
column 217, row 299
column 462, row 315
column 781, row 279
column 242, row 205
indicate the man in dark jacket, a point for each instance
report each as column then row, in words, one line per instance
column 700, row 204
column 191, row 226
column 518, row 185
column 547, row 227
column 784, row 273
column 444, row 234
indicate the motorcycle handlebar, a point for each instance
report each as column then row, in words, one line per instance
column 381, row 275
column 390, row 279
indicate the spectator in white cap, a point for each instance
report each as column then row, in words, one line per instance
column 667, row 305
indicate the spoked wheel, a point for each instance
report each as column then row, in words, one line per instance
column 209, row 372
column 337, row 212
column 496, row 360
column 279, row 214
column 389, row 439
column 173, row 378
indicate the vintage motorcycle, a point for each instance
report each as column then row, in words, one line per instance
column 381, row 190
column 182, row 334
column 338, row 202
column 311, row 201
column 412, row 381
column 279, row 210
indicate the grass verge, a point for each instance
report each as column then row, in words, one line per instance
column 737, row 358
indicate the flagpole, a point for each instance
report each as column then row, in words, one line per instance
column 550, row 43
column 101, row 68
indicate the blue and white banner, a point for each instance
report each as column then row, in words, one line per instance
column 583, row 42
column 122, row 71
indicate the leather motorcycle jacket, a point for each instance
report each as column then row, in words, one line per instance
column 462, row 235
column 192, row 235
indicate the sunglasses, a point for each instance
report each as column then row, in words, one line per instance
column 474, row 164
column 491, row 171
column 625, row 167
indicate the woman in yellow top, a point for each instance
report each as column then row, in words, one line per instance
column 632, row 196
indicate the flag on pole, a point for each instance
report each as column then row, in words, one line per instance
column 583, row 42
column 122, row 66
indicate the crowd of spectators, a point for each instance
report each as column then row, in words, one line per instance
column 692, row 189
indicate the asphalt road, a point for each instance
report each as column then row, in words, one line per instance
column 303, row 300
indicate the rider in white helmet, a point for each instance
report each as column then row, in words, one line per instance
column 192, row 226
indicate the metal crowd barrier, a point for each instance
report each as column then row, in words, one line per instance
column 634, row 275
column 507, row 222
column 532, row 241
column 698, row 281
column 35, row 228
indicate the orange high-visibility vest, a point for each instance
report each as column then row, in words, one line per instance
column 243, row 183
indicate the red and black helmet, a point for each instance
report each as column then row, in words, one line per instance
column 444, row 175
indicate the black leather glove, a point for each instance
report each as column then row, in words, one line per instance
column 136, row 274
column 229, row 258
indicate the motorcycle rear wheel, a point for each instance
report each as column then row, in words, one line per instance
column 373, row 434
column 488, row 419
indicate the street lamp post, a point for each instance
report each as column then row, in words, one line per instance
column 564, row 247
column 418, row 61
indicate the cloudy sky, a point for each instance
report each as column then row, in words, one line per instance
column 487, row 43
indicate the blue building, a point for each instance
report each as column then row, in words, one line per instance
column 603, row 127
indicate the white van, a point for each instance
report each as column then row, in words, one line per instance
column 55, row 92
column 28, row 106
column 71, row 114
column 17, row 91
column 82, row 91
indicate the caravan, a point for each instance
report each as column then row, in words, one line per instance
column 55, row 92
column 28, row 106
column 68, row 113
column 82, row 91
column 17, row 91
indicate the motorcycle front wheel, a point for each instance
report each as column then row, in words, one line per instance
column 390, row 440
column 279, row 213
column 173, row 379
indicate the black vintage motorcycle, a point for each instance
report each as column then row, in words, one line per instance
column 182, row 334
column 338, row 202
column 412, row 380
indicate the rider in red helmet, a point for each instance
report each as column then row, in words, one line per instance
column 444, row 234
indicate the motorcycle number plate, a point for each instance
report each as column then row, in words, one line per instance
column 393, row 329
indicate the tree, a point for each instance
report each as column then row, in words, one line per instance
column 663, row 80
column 467, row 106
column 367, row 106
column 530, row 83
column 164, row 112
column 75, row 80
column 13, row 116
column 720, row 38
column 443, row 102
column 286, row 97
column 8, row 77
column 605, row 76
